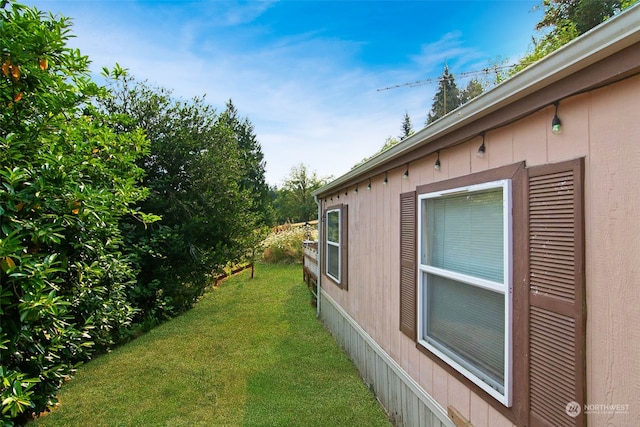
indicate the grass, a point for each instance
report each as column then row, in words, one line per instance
column 251, row 353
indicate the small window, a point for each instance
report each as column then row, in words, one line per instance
column 465, row 270
column 335, row 259
column 333, row 244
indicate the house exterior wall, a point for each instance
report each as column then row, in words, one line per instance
column 603, row 127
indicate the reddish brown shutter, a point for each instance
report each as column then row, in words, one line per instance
column 344, row 247
column 556, row 294
column 408, row 283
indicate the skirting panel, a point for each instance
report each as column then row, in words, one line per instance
column 405, row 401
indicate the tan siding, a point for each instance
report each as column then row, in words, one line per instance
column 478, row 411
column 529, row 143
column 458, row 161
column 392, row 316
column 604, row 127
column 501, row 147
column 440, row 385
column 613, row 252
column 426, row 374
column 497, row 420
column 479, row 164
column 573, row 142
column 459, row 396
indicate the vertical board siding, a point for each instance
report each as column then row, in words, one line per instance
column 556, row 286
column 405, row 402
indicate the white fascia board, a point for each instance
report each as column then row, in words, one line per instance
column 612, row 36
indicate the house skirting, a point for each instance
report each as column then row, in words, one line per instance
column 404, row 400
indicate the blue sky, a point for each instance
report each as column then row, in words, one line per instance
column 305, row 73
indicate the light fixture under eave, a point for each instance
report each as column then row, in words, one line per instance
column 369, row 184
column 436, row 166
column 356, row 190
column 556, row 123
column 405, row 175
column 482, row 148
column 386, row 180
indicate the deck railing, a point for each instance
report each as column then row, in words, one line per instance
column 310, row 267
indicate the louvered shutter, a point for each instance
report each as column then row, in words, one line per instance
column 556, row 294
column 344, row 247
column 408, row 282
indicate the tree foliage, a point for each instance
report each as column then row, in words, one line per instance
column 205, row 175
column 474, row 88
column 449, row 97
column 407, row 131
column 446, row 99
column 294, row 202
column 66, row 182
column 564, row 20
column 407, row 127
column 252, row 163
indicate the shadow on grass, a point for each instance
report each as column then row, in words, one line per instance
column 311, row 382
column 251, row 353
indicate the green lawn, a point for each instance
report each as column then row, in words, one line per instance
column 251, row 353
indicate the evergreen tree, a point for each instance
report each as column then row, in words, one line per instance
column 407, row 128
column 252, row 164
column 446, row 99
column 473, row 89
column 195, row 172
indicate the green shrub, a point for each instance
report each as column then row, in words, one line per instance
column 66, row 181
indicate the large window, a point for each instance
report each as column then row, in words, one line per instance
column 336, row 244
column 464, row 285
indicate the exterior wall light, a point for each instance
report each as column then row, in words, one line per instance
column 556, row 124
column 436, row 166
column 369, row 185
column 405, row 175
column 482, row 148
column 386, row 181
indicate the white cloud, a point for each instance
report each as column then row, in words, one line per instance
column 308, row 102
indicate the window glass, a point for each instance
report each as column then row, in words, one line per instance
column 333, row 244
column 465, row 234
column 333, row 257
column 467, row 323
column 464, row 306
column 333, row 226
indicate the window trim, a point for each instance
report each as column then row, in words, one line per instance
column 519, row 413
column 337, row 244
column 505, row 288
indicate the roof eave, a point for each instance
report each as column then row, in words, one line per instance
column 608, row 38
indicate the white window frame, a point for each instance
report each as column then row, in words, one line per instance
column 337, row 244
column 505, row 288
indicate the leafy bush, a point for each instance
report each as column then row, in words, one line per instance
column 205, row 176
column 66, row 180
column 285, row 244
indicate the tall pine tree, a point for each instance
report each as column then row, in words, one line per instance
column 407, row 127
column 253, row 164
column 446, row 99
